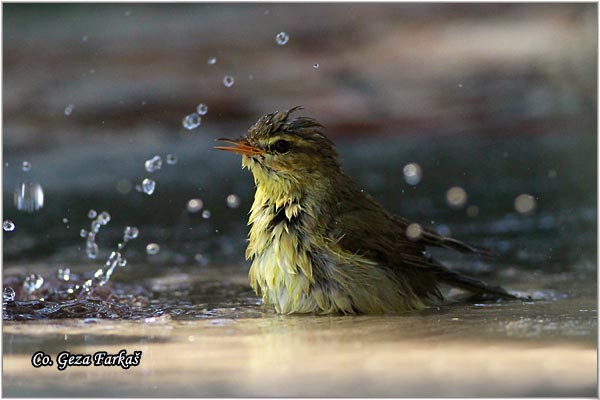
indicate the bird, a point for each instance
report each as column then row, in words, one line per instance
column 319, row 244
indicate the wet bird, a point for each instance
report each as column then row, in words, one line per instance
column 320, row 244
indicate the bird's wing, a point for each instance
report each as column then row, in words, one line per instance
column 363, row 227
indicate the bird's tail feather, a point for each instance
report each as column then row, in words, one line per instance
column 454, row 279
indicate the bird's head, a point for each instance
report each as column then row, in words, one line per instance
column 280, row 150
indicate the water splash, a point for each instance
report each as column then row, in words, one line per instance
column 194, row 205
column 148, row 186
column 8, row 225
column 282, row 38
column 29, row 197
column 212, row 60
column 233, row 201
column 228, row 81
column 152, row 248
column 171, row 159
column 192, row 121
column 202, row 109
column 26, row 166
column 91, row 247
column 69, row 109
column 412, row 173
column 153, row 164
column 33, row 282
column 456, row 197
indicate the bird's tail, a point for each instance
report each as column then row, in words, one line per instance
column 475, row 286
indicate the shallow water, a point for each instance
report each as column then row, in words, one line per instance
column 542, row 348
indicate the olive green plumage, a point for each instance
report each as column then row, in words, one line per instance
column 319, row 244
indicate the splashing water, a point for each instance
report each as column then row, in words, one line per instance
column 202, row 109
column 64, row 274
column 8, row 225
column 233, row 201
column 525, row 203
column 212, row 60
column 8, row 294
column 206, row 214
column 412, row 173
column 152, row 248
column 171, row 159
column 456, row 197
column 414, row 231
column 69, row 109
column 29, row 197
column 228, row 81
column 33, row 282
column 92, row 214
column 316, row 65
column 194, row 205
column 91, row 247
column 153, row 164
column 26, row 166
column 191, row 121
column 282, row 38
column 148, row 186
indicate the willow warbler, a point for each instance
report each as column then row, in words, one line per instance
column 320, row 244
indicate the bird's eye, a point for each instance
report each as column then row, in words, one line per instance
column 282, row 146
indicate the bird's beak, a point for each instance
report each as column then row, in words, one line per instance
column 240, row 146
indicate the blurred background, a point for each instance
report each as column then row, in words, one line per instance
column 496, row 99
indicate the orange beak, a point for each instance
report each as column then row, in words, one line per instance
column 240, row 146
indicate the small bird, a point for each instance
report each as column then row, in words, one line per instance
column 319, row 244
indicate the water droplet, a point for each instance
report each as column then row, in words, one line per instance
column 153, row 164
column 91, row 248
column 460, row 85
column 206, row 214
column 26, row 166
column 148, row 186
column 33, row 282
column 8, row 294
column 472, row 211
column 212, row 60
column 525, row 203
column 152, row 248
column 282, row 38
column 414, row 231
column 8, row 225
column 69, row 109
column 171, row 159
column 29, row 197
column 130, row 232
column 104, row 218
column 194, row 205
column 228, row 81
column 412, row 173
column 456, row 197
column 233, row 201
column 191, row 121
column 65, row 220
column 202, row 109
column 316, row 65
column 92, row 214
column 64, row 274
column 83, row 233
